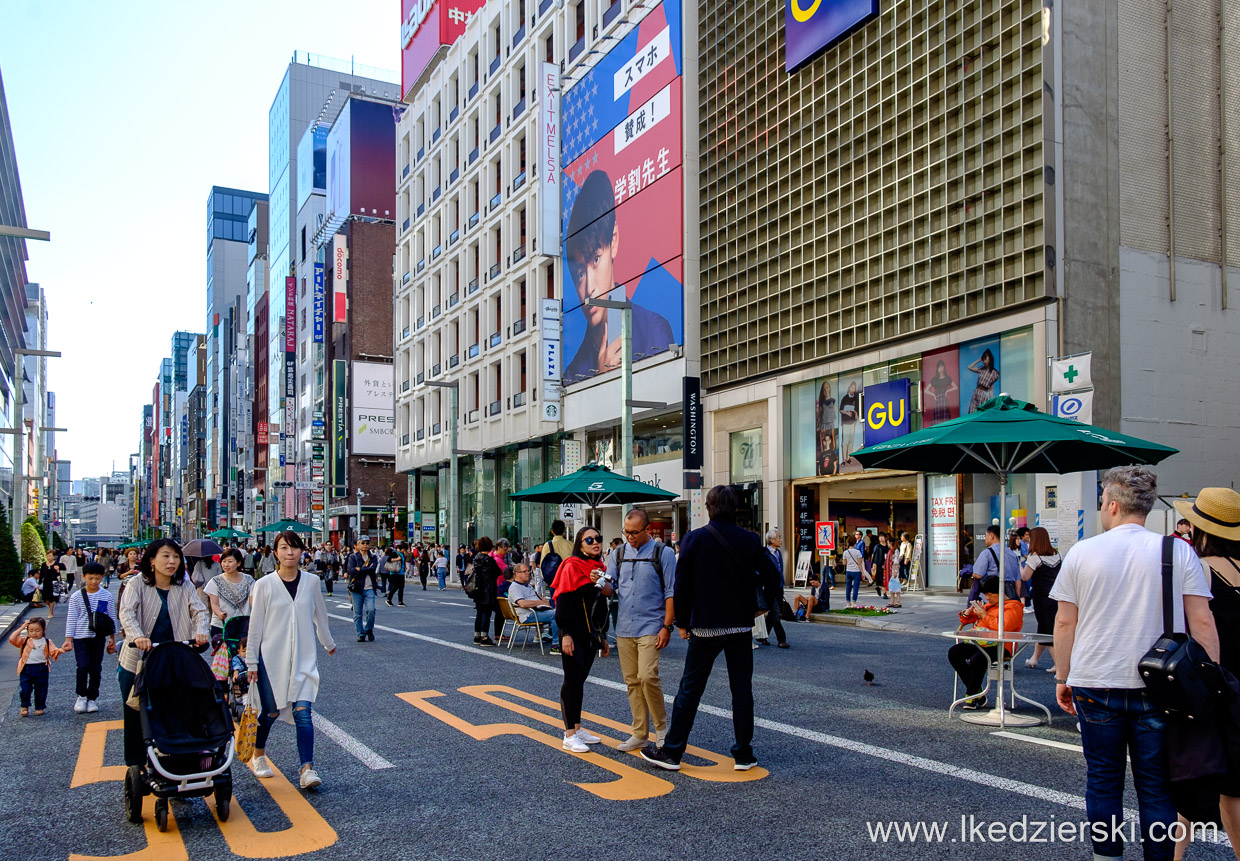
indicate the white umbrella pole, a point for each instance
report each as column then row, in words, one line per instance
column 1002, row 650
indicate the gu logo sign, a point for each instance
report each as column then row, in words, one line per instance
column 886, row 411
column 811, row 25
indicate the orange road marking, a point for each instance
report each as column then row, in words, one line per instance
column 160, row 846
column 90, row 767
column 721, row 772
column 308, row 831
column 631, row 786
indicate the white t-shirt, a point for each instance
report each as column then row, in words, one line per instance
column 38, row 652
column 1115, row 580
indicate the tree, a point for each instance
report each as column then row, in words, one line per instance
column 58, row 543
column 33, row 548
column 38, row 525
column 10, row 565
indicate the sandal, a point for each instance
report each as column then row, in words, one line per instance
column 1031, row 664
column 26, row 712
column 38, row 712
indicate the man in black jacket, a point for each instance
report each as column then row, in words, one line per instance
column 720, row 571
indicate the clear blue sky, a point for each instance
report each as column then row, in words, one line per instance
column 124, row 115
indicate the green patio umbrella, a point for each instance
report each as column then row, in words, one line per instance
column 286, row 526
column 593, row 485
column 1006, row 436
column 229, row 532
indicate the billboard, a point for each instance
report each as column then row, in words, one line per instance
column 318, row 303
column 812, row 25
column 340, row 278
column 290, row 338
column 311, row 163
column 361, row 161
column 426, row 26
column 372, row 409
column 622, row 198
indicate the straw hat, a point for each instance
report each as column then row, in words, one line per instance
column 1216, row 511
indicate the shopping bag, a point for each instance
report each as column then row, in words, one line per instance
column 219, row 663
column 247, row 730
column 759, row 628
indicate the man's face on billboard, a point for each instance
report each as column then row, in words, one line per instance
column 596, row 277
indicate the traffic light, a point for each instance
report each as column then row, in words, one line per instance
column 392, row 505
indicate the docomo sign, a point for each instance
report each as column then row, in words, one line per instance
column 340, row 278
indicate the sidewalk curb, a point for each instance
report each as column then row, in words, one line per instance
column 874, row 623
column 11, row 618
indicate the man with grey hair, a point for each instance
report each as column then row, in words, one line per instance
column 1110, row 613
column 643, row 573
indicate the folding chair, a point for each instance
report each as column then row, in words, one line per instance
column 510, row 616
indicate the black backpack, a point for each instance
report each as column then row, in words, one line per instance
column 550, row 563
column 656, row 559
column 469, row 580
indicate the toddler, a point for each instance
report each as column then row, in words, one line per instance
column 35, row 664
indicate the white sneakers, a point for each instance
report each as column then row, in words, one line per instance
column 261, row 767
column 310, row 779
column 584, row 736
column 634, row 742
column 575, row 745
column 80, row 706
column 91, row 707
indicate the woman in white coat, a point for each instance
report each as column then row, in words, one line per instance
column 288, row 611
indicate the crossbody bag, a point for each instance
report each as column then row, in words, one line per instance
column 100, row 624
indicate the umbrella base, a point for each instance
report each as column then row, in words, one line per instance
column 993, row 718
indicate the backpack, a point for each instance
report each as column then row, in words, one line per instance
column 656, row 559
column 550, row 563
column 785, row 611
column 469, row 580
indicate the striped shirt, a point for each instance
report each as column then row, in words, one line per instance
column 140, row 606
column 78, row 627
column 718, row 632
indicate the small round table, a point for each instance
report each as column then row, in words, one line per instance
column 1000, row 716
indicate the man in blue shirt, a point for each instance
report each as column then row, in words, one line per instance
column 988, row 562
column 644, row 622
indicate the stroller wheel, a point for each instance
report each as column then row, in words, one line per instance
column 133, row 794
column 161, row 814
column 223, row 802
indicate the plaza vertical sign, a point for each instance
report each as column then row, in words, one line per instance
column 549, row 328
column 318, row 303
column 290, row 338
column 548, row 238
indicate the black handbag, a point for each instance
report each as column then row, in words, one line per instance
column 1179, row 676
column 100, row 624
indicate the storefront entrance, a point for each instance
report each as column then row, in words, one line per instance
column 882, row 502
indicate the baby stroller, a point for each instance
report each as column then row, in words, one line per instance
column 236, row 627
column 187, row 731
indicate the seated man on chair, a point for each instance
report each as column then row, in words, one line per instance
column 971, row 660
column 526, row 602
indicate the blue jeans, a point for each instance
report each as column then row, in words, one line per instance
column 852, row 585
column 1115, row 724
column 548, row 616
column 699, row 658
column 363, row 610
column 441, row 574
column 302, row 719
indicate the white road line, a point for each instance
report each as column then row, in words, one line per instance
column 454, row 603
column 1035, row 740
column 967, row 773
column 368, row 757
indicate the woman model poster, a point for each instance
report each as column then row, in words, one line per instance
column 987, row 376
column 850, row 411
column 827, row 453
column 940, row 388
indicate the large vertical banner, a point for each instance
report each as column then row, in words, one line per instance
column 691, row 428
column 339, row 424
column 623, row 200
column 373, row 409
column 340, row 278
column 549, row 331
column 548, row 237
column 940, row 387
column 290, row 340
column 318, row 303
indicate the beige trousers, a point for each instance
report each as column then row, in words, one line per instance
column 639, row 664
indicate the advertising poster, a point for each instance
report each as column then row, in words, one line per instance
column 852, row 430
column 979, row 373
column 622, row 198
column 826, row 428
column 940, row 387
column 318, row 303
column 372, row 408
column 361, row 160
column 944, row 531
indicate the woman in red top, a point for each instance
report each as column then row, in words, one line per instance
column 576, row 587
column 972, row 660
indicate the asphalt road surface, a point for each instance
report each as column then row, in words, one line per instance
column 430, row 747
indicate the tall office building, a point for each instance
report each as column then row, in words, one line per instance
column 228, row 265
column 910, row 212
column 308, row 83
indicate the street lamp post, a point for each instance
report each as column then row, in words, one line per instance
column 357, row 535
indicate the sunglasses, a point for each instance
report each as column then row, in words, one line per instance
column 592, row 539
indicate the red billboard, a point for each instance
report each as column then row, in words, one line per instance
column 425, row 27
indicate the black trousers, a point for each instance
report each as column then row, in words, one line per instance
column 396, row 587
column 482, row 618
column 699, row 659
column 88, row 652
column 774, row 622
column 576, row 671
column 499, row 620
column 422, row 575
column 971, row 664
